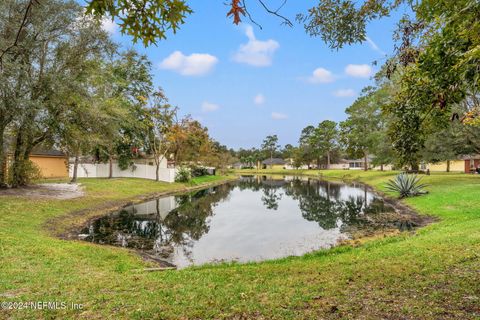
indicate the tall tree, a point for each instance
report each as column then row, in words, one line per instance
column 326, row 138
column 364, row 130
column 126, row 89
column 56, row 45
column 190, row 141
column 307, row 145
column 162, row 117
column 270, row 145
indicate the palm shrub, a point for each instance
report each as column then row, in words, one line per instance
column 407, row 185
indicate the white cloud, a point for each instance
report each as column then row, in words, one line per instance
column 279, row 116
column 196, row 64
column 109, row 26
column 344, row 93
column 358, row 70
column 259, row 99
column 374, row 46
column 256, row 52
column 321, row 75
column 209, row 107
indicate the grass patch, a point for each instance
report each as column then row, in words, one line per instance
column 432, row 274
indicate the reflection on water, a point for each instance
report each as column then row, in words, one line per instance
column 255, row 218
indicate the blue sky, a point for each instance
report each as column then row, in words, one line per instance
column 245, row 83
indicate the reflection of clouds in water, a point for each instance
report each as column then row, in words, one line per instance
column 242, row 230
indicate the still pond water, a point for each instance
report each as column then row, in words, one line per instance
column 252, row 219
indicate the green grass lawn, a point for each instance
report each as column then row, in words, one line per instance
column 431, row 274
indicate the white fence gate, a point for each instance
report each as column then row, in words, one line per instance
column 143, row 171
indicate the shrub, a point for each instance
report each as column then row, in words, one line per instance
column 24, row 172
column 407, row 185
column 198, row 172
column 183, row 175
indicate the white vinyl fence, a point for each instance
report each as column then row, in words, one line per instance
column 143, row 171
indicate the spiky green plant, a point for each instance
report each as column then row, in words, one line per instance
column 407, row 185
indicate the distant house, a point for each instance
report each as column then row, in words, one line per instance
column 52, row 163
column 289, row 165
column 274, row 163
column 241, row 165
column 341, row 164
column 471, row 163
column 466, row 164
column 358, row 164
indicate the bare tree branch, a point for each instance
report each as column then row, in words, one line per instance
column 286, row 21
column 249, row 15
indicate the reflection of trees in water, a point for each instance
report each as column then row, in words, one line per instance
column 182, row 225
column 270, row 197
column 315, row 201
column 320, row 201
column 269, row 187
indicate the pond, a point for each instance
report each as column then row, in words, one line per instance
column 252, row 219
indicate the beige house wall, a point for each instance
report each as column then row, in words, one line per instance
column 455, row 166
column 51, row 167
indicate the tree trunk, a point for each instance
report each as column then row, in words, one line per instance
column 3, row 162
column 75, row 168
column 110, row 169
column 414, row 166
column 448, row 165
column 157, row 174
column 18, row 161
column 365, row 162
column 318, row 163
column 328, row 160
column 381, row 167
column 271, row 160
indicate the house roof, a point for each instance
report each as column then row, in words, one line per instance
column 369, row 159
column 470, row 157
column 274, row 161
column 47, row 153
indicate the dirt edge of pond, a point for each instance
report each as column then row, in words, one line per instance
column 66, row 226
column 402, row 210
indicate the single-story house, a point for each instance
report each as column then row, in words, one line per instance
column 466, row 164
column 358, row 164
column 274, row 163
